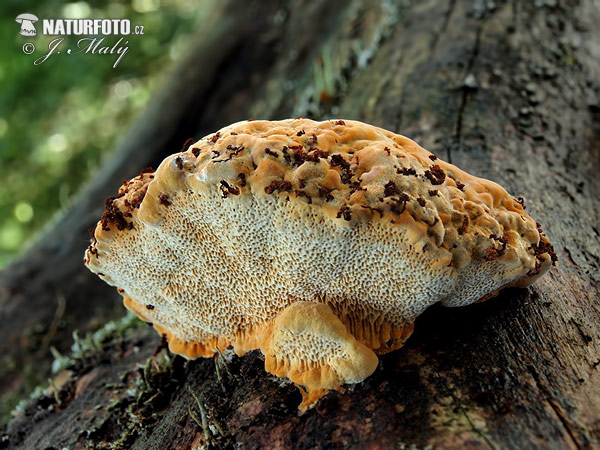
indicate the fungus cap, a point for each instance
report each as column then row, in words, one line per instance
column 317, row 242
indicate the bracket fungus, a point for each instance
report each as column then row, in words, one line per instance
column 318, row 243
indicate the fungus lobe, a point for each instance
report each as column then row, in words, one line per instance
column 241, row 258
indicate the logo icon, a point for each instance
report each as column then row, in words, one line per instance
column 27, row 20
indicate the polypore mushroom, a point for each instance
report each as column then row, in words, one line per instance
column 318, row 243
column 27, row 20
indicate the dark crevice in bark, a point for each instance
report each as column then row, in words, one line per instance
column 556, row 408
column 529, row 364
column 466, row 92
column 399, row 114
column 438, row 35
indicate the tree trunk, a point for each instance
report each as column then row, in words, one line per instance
column 506, row 90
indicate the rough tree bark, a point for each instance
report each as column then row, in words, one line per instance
column 507, row 90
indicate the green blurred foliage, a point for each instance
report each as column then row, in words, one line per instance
column 59, row 120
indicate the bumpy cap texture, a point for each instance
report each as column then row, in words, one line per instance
column 222, row 238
